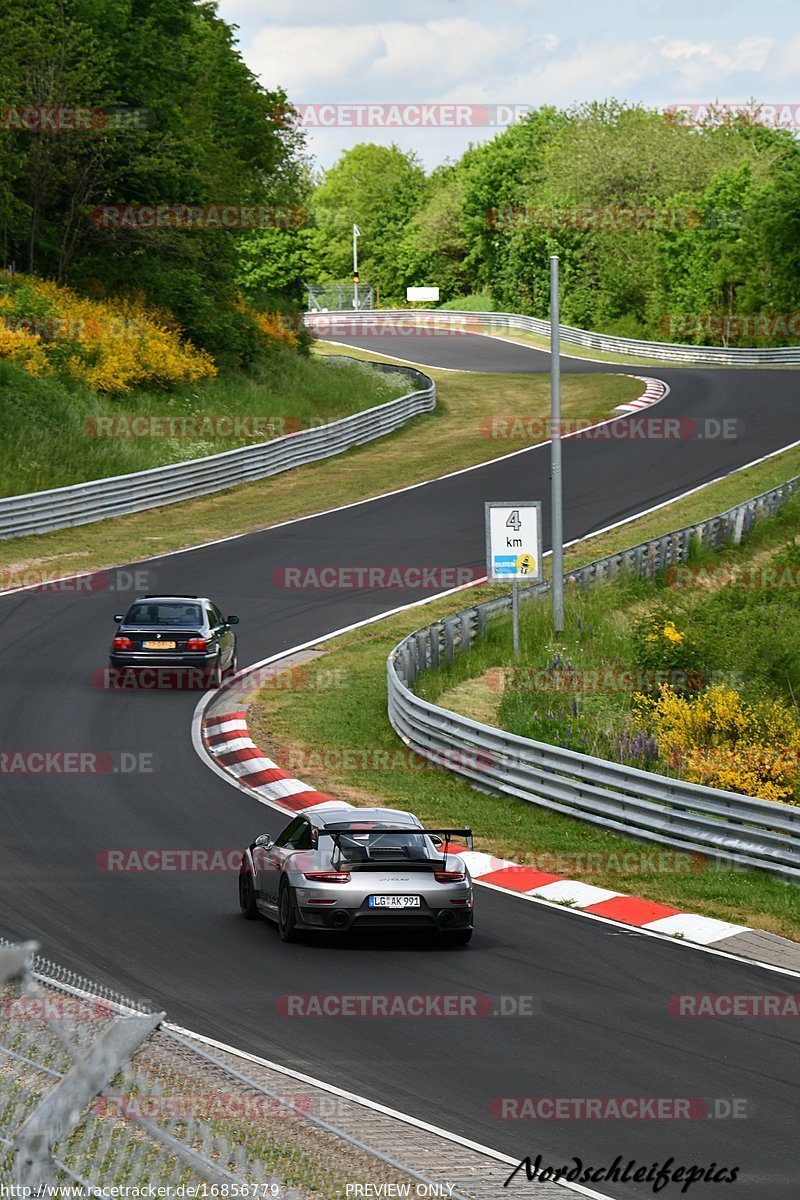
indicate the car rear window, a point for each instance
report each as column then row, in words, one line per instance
column 164, row 614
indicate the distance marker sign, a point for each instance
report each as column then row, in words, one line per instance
column 514, row 541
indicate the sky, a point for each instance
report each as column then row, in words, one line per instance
column 515, row 53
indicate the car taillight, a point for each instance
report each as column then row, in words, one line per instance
column 123, row 643
column 449, row 876
column 197, row 644
column 327, row 876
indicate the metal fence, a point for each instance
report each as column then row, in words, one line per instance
column 95, row 1091
column 662, row 351
column 741, row 830
column 82, row 503
column 324, row 296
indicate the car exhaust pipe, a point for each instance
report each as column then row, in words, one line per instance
column 339, row 919
column 447, row 919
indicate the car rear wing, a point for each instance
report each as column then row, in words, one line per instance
column 445, row 834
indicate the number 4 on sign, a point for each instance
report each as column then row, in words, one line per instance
column 513, row 521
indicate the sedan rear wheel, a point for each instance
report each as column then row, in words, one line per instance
column 214, row 676
column 247, row 896
column 287, row 914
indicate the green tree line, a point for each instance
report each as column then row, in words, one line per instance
column 664, row 231
column 187, row 124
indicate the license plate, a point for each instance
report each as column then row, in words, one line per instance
column 394, row 901
column 159, row 645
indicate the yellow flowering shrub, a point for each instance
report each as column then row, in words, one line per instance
column 23, row 349
column 111, row 345
column 719, row 740
column 274, row 326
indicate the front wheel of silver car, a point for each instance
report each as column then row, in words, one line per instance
column 287, row 914
column 247, row 896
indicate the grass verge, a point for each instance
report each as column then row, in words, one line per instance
column 331, row 730
column 74, row 434
column 450, row 438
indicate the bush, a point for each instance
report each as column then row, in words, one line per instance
column 720, row 741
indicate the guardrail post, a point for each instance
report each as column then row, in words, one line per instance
column 434, row 644
column 449, row 640
column 466, row 632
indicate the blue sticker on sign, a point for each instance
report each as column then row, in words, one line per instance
column 505, row 564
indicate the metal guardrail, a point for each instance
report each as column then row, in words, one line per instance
column 96, row 1091
column 82, row 503
column 742, row 830
column 662, row 351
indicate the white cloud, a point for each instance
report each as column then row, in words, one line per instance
column 525, row 54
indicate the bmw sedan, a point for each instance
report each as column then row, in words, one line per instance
column 339, row 869
column 175, row 634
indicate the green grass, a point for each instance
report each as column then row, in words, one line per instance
column 746, row 637
column 56, row 420
column 343, row 707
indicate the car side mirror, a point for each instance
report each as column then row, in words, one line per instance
column 264, row 841
column 119, row 618
column 232, row 620
column 437, row 841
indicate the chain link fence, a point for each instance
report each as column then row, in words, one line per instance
column 98, row 1093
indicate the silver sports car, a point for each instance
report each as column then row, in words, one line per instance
column 349, row 868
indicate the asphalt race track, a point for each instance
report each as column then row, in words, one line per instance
column 602, row 1027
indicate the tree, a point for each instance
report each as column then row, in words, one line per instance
column 378, row 188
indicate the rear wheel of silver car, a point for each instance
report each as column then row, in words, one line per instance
column 247, row 896
column 287, row 914
column 215, row 675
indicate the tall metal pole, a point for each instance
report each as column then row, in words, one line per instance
column 356, row 235
column 557, row 516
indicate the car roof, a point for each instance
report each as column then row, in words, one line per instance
column 162, row 599
column 336, row 816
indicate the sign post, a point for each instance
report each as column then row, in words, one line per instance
column 514, row 548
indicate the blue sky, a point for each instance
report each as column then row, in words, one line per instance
column 518, row 52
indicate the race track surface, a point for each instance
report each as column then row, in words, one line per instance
column 602, row 1027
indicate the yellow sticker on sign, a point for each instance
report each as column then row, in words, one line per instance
column 526, row 564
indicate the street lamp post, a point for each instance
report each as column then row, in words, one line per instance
column 356, row 236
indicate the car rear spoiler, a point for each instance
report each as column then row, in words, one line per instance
column 445, row 834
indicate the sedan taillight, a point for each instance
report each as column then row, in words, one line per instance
column 197, row 644
column 123, row 643
column 327, row 876
column 449, row 876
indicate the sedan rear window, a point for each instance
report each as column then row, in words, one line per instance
column 165, row 614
